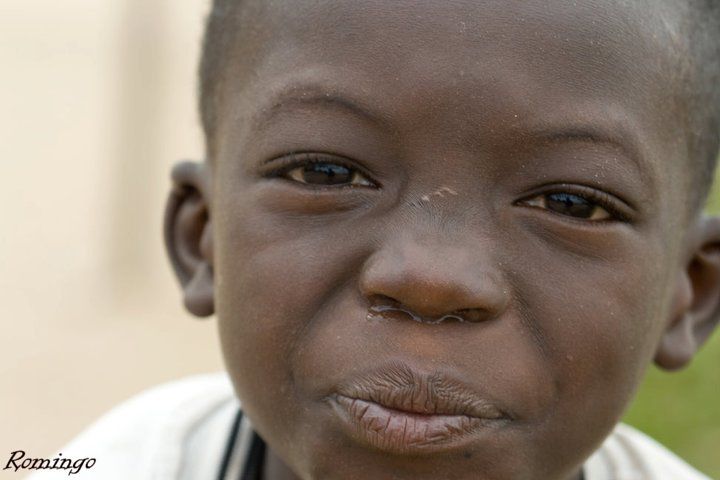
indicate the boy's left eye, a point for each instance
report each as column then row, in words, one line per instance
column 571, row 205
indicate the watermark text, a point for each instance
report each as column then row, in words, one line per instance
column 18, row 461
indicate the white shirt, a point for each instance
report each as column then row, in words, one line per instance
column 180, row 431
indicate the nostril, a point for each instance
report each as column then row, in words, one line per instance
column 379, row 300
column 384, row 307
column 385, row 312
column 387, row 308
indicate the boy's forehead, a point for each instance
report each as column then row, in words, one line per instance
column 610, row 66
column 586, row 37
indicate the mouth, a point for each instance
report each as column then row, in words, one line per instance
column 402, row 411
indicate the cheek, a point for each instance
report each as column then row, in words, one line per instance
column 273, row 279
column 600, row 317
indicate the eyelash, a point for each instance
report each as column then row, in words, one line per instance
column 618, row 210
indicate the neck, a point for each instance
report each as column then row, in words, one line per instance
column 275, row 468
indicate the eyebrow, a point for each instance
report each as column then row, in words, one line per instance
column 309, row 96
column 616, row 138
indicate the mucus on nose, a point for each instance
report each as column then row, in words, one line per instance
column 376, row 312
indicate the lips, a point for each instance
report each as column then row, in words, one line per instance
column 400, row 410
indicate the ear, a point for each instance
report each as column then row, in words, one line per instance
column 188, row 236
column 696, row 306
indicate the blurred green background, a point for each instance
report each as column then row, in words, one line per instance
column 682, row 409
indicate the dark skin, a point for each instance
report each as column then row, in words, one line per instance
column 522, row 163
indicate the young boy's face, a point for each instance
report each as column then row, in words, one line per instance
column 519, row 166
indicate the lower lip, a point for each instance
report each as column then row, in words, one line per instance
column 402, row 432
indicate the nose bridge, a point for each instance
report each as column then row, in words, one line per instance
column 431, row 273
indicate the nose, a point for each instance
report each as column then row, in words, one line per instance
column 434, row 280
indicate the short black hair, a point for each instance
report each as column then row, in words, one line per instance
column 704, row 92
column 703, row 84
column 219, row 32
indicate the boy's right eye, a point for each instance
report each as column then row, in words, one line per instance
column 322, row 170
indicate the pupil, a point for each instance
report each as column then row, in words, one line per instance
column 569, row 204
column 326, row 174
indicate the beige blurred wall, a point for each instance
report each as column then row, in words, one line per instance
column 97, row 101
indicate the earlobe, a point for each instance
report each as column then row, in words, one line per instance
column 696, row 306
column 188, row 236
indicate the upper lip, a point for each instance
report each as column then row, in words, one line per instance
column 400, row 387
